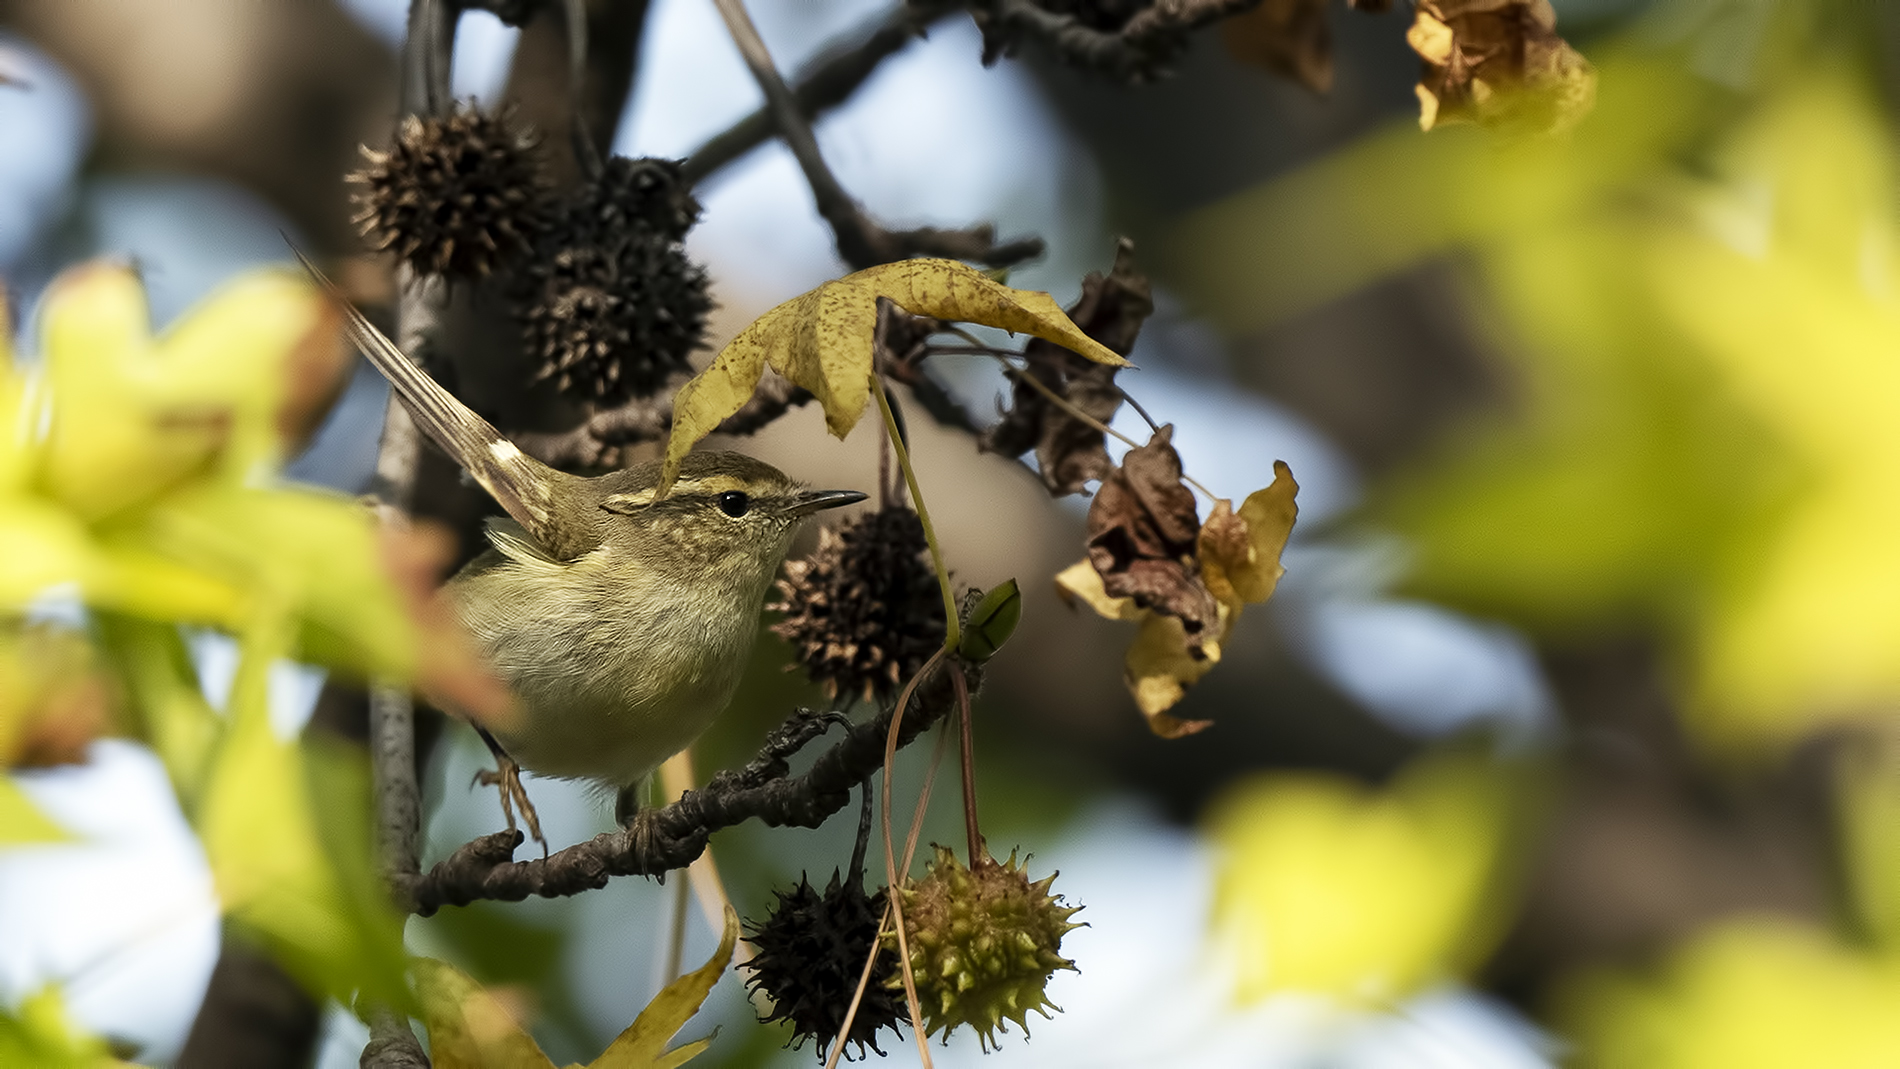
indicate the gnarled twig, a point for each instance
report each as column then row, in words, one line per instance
column 661, row 840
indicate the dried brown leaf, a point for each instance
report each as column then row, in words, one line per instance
column 1144, row 534
column 1240, row 565
column 1070, row 452
column 1498, row 63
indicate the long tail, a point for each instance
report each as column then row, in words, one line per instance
column 522, row 485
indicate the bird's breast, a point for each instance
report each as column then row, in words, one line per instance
column 615, row 670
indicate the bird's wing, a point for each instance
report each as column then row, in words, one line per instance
column 522, row 485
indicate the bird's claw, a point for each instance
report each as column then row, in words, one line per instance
column 507, row 779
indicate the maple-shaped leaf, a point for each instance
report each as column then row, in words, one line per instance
column 1069, row 451
column 1498, row 62
column 1238, row 558
column 824, row 341
column 469, row 1028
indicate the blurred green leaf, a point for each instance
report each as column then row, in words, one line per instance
column 267, row 817
column 38, row 1033
column 132, row 415
column 1868, row 787
column 1326, row 886
column 169, row 706
column 1753, row 994
column 468, row 1028
column 1701, row 290
column 22, row 823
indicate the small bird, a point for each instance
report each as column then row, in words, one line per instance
column 620, row 619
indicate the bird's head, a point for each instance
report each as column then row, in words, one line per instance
column 728, row 515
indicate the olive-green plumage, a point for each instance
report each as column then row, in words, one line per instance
column 621, row 655
column 620, row 613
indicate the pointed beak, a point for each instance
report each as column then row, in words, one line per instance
column 811, row 501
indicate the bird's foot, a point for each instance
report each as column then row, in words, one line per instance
column 507, row 779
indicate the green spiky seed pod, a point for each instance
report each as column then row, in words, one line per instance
column 984, row 942
column 811, row 953
column 863, row 612
column 610, row 305
column 455, row 195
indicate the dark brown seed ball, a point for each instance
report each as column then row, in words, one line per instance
column 610, row 305
column 811, row 953
column 863, row 612
column 455, row 195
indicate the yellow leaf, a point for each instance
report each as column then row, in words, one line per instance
column 162, row 685
column 21, row 822
column 1752, row 994
column 264, row 838
column 132, row 415
column 1250, row 566
column 822, row 341
column 643, row 1044
column 41, row 1034
column 468, row 1027
column 1240, row 563
column 1326, row 886
column 1868, row 789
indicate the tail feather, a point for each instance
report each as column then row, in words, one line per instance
column 522, row 485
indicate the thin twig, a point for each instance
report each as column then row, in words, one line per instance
column 892, row 878
column 1069, row 407
column 862, row 242
column 953, row 626
column 971, row 829
column 827, row 82
column 427, row 59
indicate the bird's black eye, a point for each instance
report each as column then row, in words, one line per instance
column 733, row 503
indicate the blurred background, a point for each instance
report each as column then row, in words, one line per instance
column 1568, row 735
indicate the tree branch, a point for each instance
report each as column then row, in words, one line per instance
column 1136, row 52
column 661, row 840
column 392, row 1043
column 828, row 82
column 602, row 441
column 861, row 241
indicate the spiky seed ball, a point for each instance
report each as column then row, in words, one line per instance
column 454, row 195
column 811, row 953
column 862, row 611
column 983, row 943
column 610, row 305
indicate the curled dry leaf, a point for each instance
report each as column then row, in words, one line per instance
column 1239, row 558
column 1498, row 63
column 1069, row 451
column 449, row 671
column 824, row 341
column 1288, row 37
column 1144, row 535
